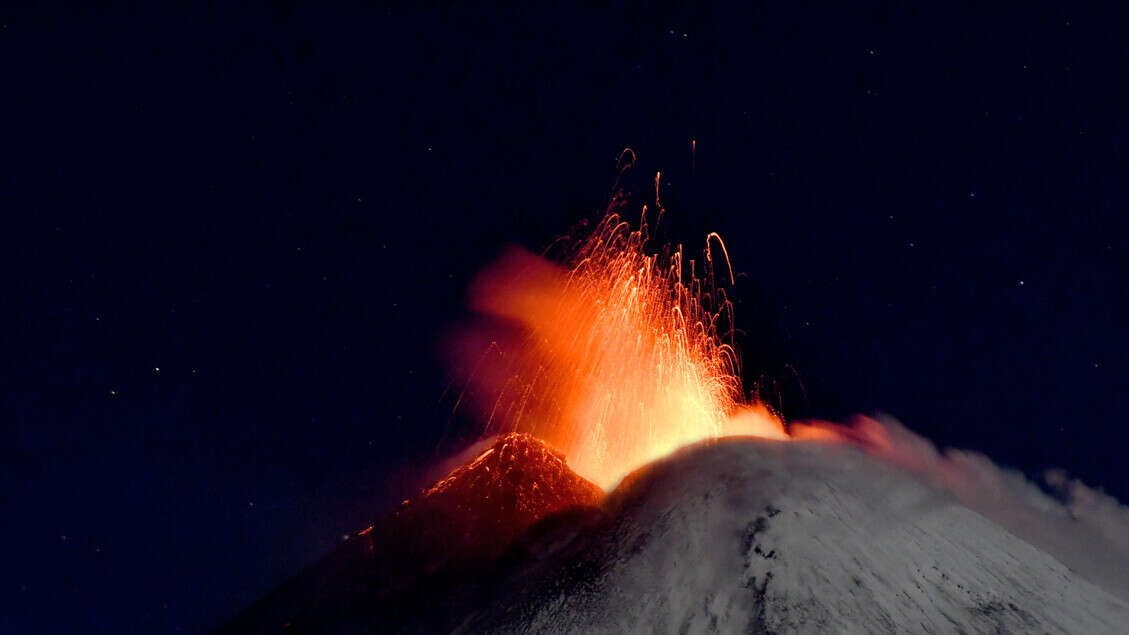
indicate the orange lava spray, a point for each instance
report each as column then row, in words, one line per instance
column 622, row 354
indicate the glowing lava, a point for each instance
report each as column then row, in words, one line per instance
column 618, row 358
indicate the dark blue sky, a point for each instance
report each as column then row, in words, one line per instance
column 280, row 209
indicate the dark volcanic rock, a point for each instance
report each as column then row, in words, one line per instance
column 397, row 574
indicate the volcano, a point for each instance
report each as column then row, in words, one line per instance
column 734, row 535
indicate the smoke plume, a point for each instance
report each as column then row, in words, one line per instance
column 1084, row 528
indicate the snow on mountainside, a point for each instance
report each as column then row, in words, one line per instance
column 748, row 535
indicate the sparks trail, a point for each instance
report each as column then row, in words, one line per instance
column 621, row 353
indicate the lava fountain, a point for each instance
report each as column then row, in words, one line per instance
column 618, row 353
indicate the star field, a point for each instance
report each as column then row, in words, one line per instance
column 242, row 235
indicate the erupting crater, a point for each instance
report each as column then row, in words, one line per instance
column 619, row 351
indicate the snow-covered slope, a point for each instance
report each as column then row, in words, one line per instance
column 756, row 536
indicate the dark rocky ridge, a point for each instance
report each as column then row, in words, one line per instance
column 393, row 575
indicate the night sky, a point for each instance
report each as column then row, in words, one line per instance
column 238, row 237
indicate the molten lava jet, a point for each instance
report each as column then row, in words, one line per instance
column 618, row 355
